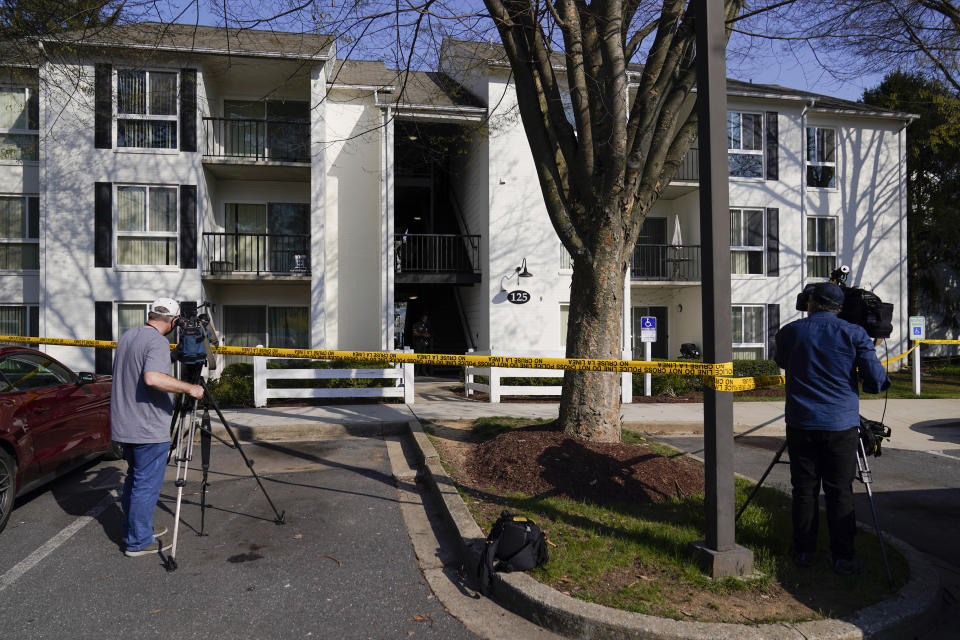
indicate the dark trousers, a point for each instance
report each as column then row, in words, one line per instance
column 829, row 458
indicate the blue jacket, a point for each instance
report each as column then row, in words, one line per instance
column 821, row 355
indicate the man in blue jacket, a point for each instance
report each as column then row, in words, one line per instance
column 824, row 357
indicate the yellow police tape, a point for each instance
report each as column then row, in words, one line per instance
column 715, row 376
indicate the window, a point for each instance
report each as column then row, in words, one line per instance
column 566, row 260
column 147, row 109
column 564, row 321
column 745, row 144
column 249, row 326
column 746, row 241
column 19, row 124
column 19, row 233
column 25, row 371
column 821, row 246
column 134, row 314
column 748, row 332
column 146, row 225
column 821, row 158
column 20, row 320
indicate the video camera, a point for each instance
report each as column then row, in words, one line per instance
column 860, row 306
column 195, row 334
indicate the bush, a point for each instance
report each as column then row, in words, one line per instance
column 674, row 384
column 522, row 382
column 337, row 383
column 234, row 387
column 751, row 368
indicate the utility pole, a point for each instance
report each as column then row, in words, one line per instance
column 718, row 555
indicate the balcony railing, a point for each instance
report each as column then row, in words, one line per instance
column 256, row 139
column 436, row 253
column 665, row 262
column 689, row 169
column 259, row 253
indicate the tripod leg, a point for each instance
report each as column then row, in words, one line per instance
column 236, row 443
column 204, row 466
column 866, row 478
column 756, row 487
column 184, row 453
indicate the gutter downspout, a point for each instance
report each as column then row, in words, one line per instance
column 803, row 190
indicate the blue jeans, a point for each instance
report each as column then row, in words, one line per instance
column 141, row 490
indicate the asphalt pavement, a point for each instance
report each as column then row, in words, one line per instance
column 341, row 567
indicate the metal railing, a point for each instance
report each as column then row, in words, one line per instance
column 436, row 252
column 665, row 262
column 256, row 139
column 258, row 253
column 689, row 169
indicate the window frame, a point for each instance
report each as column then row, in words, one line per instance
column 32, row 331
column 564, row 311
column 146, row 234
column 146, row 117
column 268, row 335
column 26, row 239
column 761, row 249
column 29, row 92
column 762, row 345
column 808, row 163
column 759, row 152
column 819, row 253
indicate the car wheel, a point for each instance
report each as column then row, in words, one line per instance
column 8, row 486
column 115, row 452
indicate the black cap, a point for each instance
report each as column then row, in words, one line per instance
column 828, row 293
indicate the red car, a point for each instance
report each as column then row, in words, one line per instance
column 51, row 421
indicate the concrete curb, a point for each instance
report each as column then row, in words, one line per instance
column 518, row 592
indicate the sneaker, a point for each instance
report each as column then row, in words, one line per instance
column 805, row 559
column 847, row 566
column 153, row 547
column 159, row 532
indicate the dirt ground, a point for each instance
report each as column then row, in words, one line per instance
column 601, row 473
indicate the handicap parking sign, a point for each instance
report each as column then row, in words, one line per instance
column 918, row 328
column 648, row 329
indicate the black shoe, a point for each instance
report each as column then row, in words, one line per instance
column 805, row 559
column 847, row 566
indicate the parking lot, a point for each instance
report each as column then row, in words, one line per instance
column 342, row 567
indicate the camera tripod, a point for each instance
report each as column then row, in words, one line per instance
column 184, row 427
column 863, row 475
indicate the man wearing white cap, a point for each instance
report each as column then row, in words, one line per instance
column 140, row 412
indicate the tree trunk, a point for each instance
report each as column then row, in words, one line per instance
column 590, row 405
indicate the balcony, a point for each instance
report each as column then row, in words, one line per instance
column 264, row 149
column 436, row 258
column 246, row 256
column 665, row 263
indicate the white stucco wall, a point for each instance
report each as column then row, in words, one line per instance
column 352, row 220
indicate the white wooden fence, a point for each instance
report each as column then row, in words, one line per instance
column 495, row 390
column 401, row 373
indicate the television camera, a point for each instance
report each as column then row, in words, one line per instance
column 860, row 306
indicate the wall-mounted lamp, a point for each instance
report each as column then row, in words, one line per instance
column 679, row 308
column 518, row 272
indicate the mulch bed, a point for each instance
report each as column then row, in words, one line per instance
column 541, row 459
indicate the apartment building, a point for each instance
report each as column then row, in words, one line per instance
column 316, row 202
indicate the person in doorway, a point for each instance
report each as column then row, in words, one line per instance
column 823, row 357
column 422, row 341
column 140, row 412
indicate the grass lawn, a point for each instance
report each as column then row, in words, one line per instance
column 637, row 557
column 937, row 380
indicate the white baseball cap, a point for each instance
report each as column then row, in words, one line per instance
column 165, row 306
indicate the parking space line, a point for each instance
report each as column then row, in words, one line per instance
column 944, row 455
column 14, row 573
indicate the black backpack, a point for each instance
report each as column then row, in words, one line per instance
column 516, row 542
